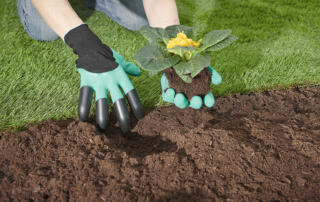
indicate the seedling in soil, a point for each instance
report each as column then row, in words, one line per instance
column 182, row 59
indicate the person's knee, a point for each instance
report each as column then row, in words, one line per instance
column 33, row 23
column 129, row 14
column 135, row 25
column 39, row 33
column 43, row 35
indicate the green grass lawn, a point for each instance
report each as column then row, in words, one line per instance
column 278, row 46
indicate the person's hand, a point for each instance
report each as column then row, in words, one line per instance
column 196, row 102
column 102, row 69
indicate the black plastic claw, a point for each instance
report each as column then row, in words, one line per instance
column 135, row 103
column 84, row 103
column 122, row 114
column 102, row 113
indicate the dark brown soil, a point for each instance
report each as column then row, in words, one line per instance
column 200, row 84
column 254, row 147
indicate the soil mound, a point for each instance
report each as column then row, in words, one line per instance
column 263, row 146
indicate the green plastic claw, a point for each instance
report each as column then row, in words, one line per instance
column 196, row 102
column 168, row 96
column 209, row 100
column 128, row 67
column 181, row 101
column 215, row 76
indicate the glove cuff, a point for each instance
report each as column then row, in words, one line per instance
column 94, row 56
column 63, row 38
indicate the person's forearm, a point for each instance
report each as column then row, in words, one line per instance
column 58, row 14
column 161, row 13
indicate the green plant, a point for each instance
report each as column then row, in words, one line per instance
column 174, row 47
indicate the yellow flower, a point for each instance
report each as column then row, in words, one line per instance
column 182, row 35
column 182, row 40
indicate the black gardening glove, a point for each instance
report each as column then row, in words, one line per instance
column 102, row 69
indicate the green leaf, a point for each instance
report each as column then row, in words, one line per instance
column 152, row 58
column 213, row 38
column 173, row 30
column 153, row 34
column 179, row 50
column 198, row 63
column 161, row 45
column 222, row 44
column 166, row 40
column 186, row 78
column 193, row 66
column 183, row 69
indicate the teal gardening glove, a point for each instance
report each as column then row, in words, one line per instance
column 102, row 69
column 196, row 102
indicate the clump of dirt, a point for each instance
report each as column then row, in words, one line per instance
column 253, row 147
column 200, row 84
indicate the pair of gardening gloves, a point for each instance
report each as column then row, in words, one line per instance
column 102, row 69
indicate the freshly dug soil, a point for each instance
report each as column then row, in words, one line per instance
column 253, row 147
column 200, row 84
